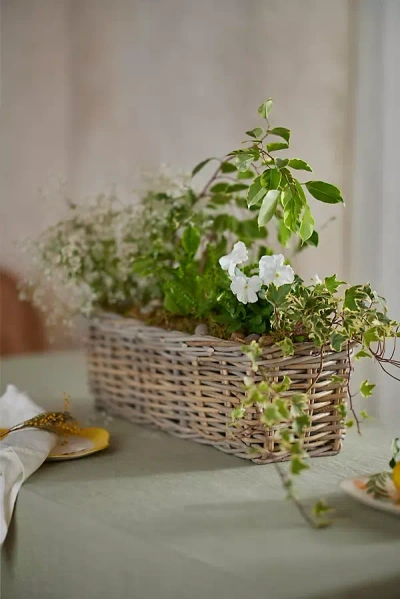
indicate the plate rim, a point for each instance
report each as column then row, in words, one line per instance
column 349, row 487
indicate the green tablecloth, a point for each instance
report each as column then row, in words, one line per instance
column 155, row 516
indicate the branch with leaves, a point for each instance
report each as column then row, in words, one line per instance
column 185, row 257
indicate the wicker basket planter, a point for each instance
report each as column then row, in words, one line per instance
column 188, row 386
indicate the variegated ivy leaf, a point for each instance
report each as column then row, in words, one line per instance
column 366, row 388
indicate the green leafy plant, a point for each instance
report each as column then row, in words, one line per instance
column 185, row 256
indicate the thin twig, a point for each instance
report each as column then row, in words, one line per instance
column 352, row 409
column 286, row 482
column 321, row 365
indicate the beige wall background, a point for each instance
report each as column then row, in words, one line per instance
column 93, row 91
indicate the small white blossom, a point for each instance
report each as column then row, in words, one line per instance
column 317, row 280
column 238, row 255
column 246, row 288
column 273, row 270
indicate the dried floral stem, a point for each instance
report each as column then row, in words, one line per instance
column 61, row 423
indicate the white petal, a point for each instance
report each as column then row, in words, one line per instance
column 279, row 259
column 238, row 287
column 267, row 269
column 239, row 252
column 252, row 296
column 267, row 276
column 232, row 268
column 238, row 284
column 225, row 261
column 267, row 262
column 285, row 275
column 243, row 297
column 255, row 284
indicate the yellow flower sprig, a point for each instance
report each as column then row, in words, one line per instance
column 60, row 423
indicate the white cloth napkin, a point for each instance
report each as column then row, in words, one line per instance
column 21, row 453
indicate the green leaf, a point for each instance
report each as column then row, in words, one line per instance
column 248, row 230
column 244, row 161
column 270, row 415
column 228, row 167
column 271, row 178
column 362, row 354
column 300, row 423
column 277, row 145
column 200, row 166
column 366, row 388
column 268, row 207
column 256, row 133
column 321, row 508
column 313, row 240
column 265, row 109
column 299, row 165
column 370, row 336
column 342, row 410
column 219, row 188
column 286, row 346
column 191, row 240
column 284, row 385
column 223, row 222
column 332, row 283
column 306, row 224
column 282, row 405
column 364, row 414
column 292, row 205
column 337, row 379
column 277, row 295
column 286, row 438
column 350, row 423
column 337, row 341
column 284, row 234
column 219, row 199
column 300, row 191
column 297, row 465
column 245, row 175
column 170, row 304
column 281, row 132
column 256, row 192
column 296, row 449
column 352, row 298
column 324, row 192
column 238, row 413
column 237, row 187
column 143, row 265
column 281, row 162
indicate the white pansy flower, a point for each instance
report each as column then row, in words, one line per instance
column 246, row 288
column 237, row 256
column 273, row 270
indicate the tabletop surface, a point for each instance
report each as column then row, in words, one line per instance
column 156, row 516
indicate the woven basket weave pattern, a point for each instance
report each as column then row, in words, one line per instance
column 188, row 385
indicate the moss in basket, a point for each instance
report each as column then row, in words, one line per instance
column 182, row 257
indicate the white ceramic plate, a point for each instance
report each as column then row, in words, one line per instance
column 387, row 501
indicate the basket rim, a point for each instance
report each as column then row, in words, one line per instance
column 192, row 340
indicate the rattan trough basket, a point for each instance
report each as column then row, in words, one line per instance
column 188, row 385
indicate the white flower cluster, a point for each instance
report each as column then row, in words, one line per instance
column 164, row 180
column 87, row 259
column 271, row 270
